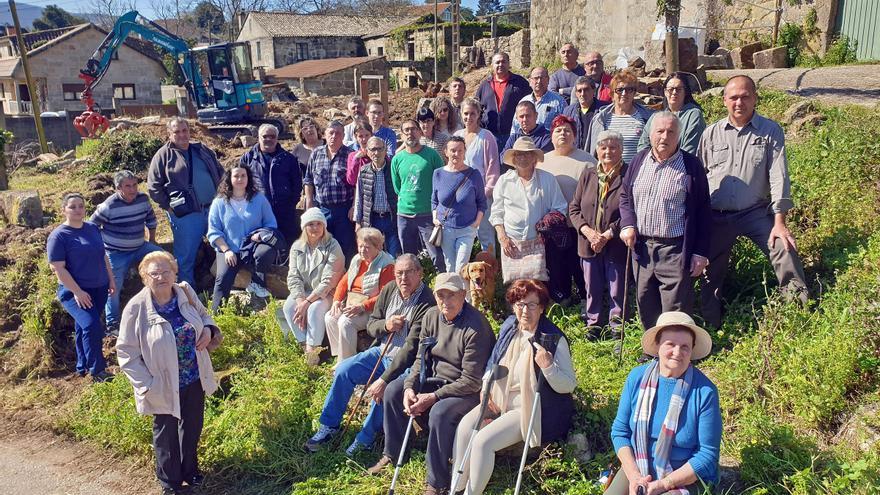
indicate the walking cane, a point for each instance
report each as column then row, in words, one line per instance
column 357, row 404
column 623, row 310
column 498, row 371
column 424, row 351
column 546, row 341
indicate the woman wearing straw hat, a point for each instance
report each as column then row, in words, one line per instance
column 667, row 433
column 522, row 197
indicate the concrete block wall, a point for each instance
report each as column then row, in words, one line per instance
column 517, row 45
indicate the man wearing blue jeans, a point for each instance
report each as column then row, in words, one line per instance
column 183, row 179
column 122, row 218
column 327, row 189
column 397, row 316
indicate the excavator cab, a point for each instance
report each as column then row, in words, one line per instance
column 230, row 92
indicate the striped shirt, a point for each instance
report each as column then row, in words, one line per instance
column 122, row 224
column 659, row 195
column 631, row 129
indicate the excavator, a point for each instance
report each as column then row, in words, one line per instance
column 219, row 79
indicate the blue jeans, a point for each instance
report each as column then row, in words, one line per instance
column 88, row 327
column 341, row 228
column 415, row 233
column 485, row 231
column 355, row 371
column 120, row 262
column 388, row 226
column 457, row 247
column 188, row 232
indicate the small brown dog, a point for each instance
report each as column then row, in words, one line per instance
column 480, row 275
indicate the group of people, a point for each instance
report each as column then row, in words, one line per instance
column 565, row 176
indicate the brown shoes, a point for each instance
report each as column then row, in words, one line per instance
column 380, row 465
column 430, row 490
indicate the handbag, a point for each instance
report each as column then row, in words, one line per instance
column 355, row 299
column 530, row 261
column 436, row 238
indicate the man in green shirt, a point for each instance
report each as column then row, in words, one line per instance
column 411, row 171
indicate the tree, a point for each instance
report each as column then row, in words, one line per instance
column 208, row 17
column 467, row 14
column 486, row 7
column 55, row 17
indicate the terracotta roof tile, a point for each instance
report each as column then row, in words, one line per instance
column 320, row 67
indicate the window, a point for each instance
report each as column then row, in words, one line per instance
column 124, row 92
column 241, row 58
column 2, row 90
column 302, row 51
column 380, row 51
column 72, row 92
column 259, row 52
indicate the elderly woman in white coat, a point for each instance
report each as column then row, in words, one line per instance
column 316, row 265
column 164, row 339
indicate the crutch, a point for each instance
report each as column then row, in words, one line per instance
column 357, row 404
column 498, row 371
column 424, row 351
column 623, row 309
column 547, row 342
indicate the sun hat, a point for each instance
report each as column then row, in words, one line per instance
column 312, row 215
column 449, row 281
column 702, row 340
column 523, row 144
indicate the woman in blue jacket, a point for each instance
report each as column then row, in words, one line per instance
column 241, row 217
column 667, row 433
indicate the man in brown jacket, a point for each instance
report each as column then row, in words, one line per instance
column 457, row 362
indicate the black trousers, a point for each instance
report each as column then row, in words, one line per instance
column 176, row 441
column 443, row 419
column 563, row 266
column 264, row 256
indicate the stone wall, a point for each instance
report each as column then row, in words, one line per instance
column 339, row 83
column 59, row 130
column 517, row 45
column 285, row 51
column 755, row 21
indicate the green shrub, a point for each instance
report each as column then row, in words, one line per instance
column 129, row 149
column 842, row 51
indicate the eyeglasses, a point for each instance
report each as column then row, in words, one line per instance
column 522, row 306
column 158, row 275
column 375, row 150
column 627, row 89
column 675, row 89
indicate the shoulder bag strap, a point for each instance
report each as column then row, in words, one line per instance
column 464, row 179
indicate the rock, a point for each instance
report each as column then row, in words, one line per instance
column 334, row 114
column 276, row 280
column 811, row 120
column 583, row 451
column 636, row 62
column 655, row 55
column 743, row 56
column 44, row 158
column 69, row 154
column 716, row 91
column 79, row 161
column 21, row 208
column 152, row 119
column 798, row 111
column 713, row 62
column 721, row 51
column 650, row 85
column 773, row 58
column 247, row 141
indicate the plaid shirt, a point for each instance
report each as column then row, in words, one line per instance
column 328, row 177
column 659, row 194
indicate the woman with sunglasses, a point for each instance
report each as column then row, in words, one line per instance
column 445, row 116
column 624, row 115
column 678, row 99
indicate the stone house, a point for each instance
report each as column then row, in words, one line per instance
column 278, row 39
column 56, row 57
column 333, row 77
column 609, row 26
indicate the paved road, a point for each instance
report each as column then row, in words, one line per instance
column 849, row 84
column 45, row 464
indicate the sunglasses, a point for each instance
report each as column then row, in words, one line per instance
column 627, row 89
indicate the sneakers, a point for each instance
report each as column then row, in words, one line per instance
column 197, row 480
column 322, row 436
column 258, row 290
column 377, row 468
column 356, row 447
column 112, row 330
column 102, row 377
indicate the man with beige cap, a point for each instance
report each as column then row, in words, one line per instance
column 522, row 197
column 458, row 360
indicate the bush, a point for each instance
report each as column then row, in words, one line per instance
column 129, row 149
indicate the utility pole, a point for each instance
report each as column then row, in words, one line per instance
column 672, row 12
column 436, row 46
column 35, row 97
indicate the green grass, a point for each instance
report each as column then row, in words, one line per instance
column 791, row 379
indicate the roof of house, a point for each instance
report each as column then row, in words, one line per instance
column 428, row 8
column 284, row 24
column 319, row 67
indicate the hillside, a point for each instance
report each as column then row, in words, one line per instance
column 799, row 386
